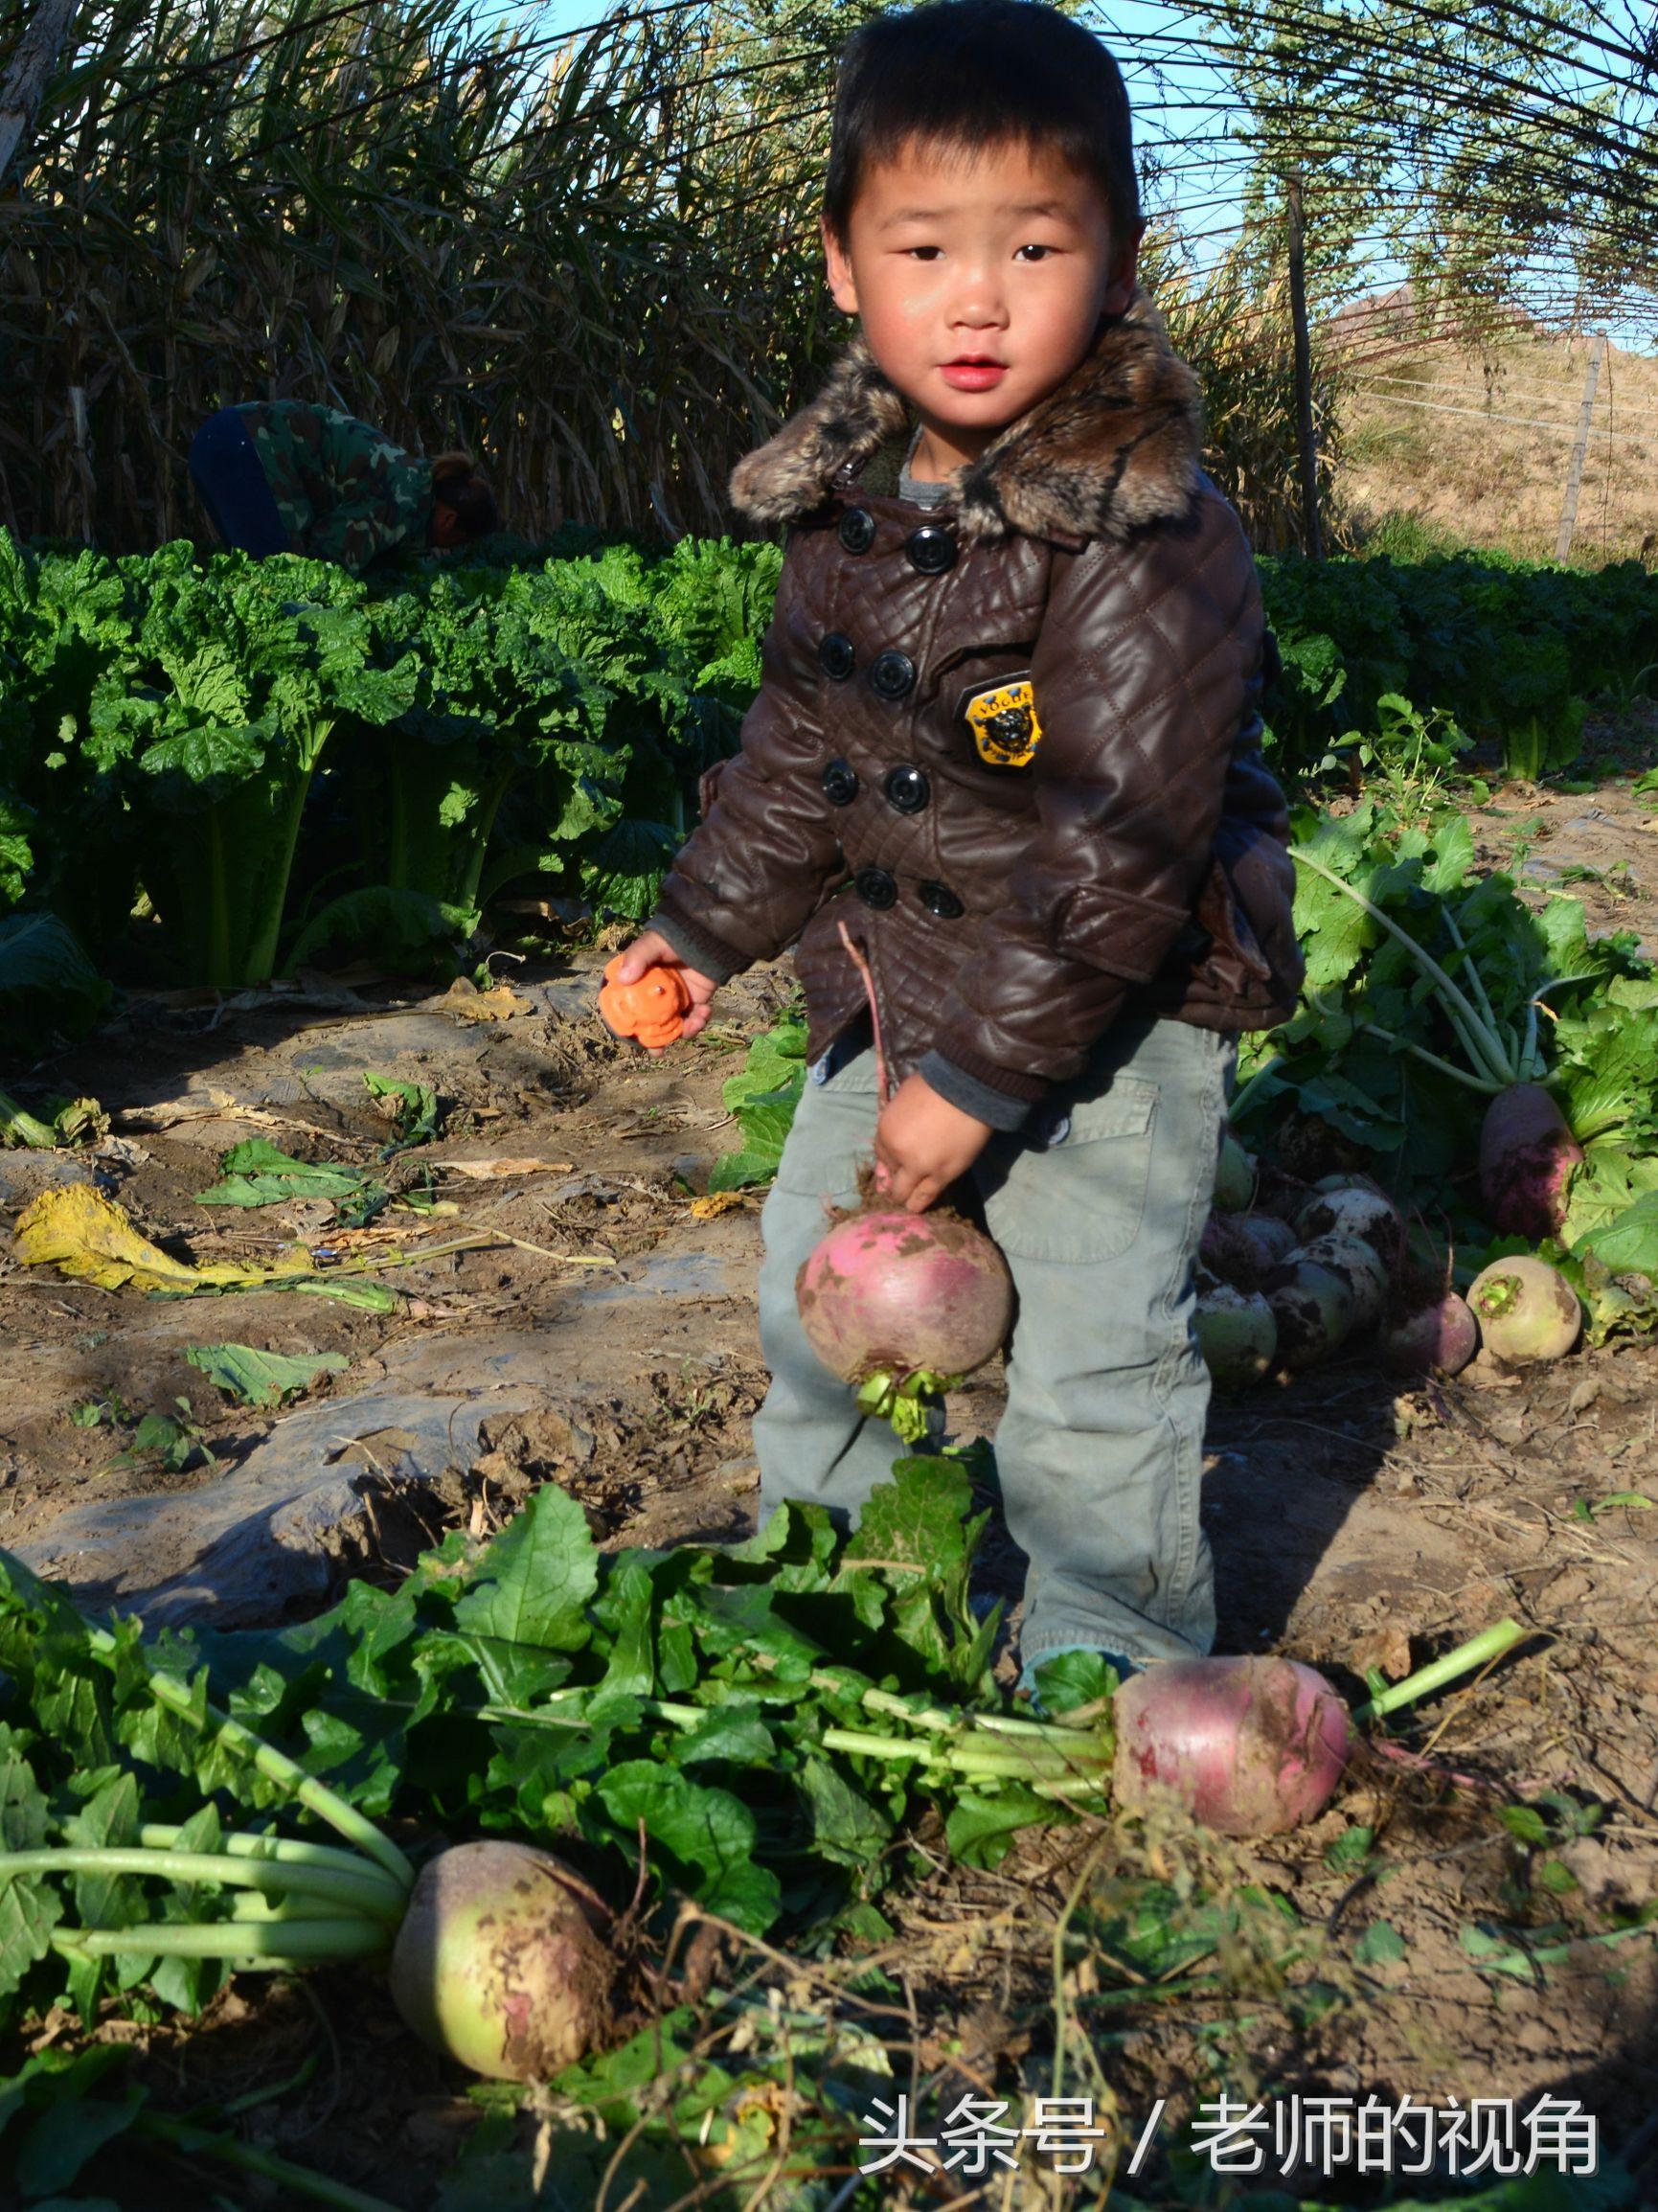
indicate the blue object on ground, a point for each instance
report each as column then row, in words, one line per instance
column 225, row 467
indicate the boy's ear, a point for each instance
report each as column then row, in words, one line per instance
column 1124, row 275
column 842, row 288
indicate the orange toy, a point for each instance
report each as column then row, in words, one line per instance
column 653, row 1010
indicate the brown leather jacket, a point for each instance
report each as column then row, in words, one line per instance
column 1012, row 742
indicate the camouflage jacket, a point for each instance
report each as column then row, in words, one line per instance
column 344, row 491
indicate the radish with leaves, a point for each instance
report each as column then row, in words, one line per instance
column 1527, row 1154
column 902, row 1306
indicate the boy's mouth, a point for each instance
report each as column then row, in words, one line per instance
column 973, row 373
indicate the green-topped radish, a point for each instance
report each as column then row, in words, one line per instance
column 1352, row 1209
column 1236, row 1334
column 1313, row 1307
column 1233, row 1176
column 503, row 1962
column 1527, row 1310
column 1240, row 1247
column 1359, row 1265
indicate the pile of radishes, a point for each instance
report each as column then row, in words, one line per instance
column 1286, row 1283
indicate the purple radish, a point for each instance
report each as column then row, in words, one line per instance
column 1246, row 1746
column 892, row 1292
column 1528, row 1157
column 1527, row 1310
column 1237, row 1334
column 1240, row 1247
column 1439, row 1339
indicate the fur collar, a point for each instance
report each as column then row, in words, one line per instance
column 1114, row 447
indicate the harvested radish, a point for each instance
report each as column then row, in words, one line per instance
column 1233, row 1176
column 653, row 1008
column 1528, row 1157
column 1247, row 1747
column 1237, row 1334
column 902, row 1306
column 1240, row 1247
column 1352, row 1209
column 1313, row 1308
column 1438, row 1338
column 501, row 1962
column 1527, row 1310
column 1359, row 1265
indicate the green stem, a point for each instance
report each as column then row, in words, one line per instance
column 366, row 1891
column 252, row 1843
column 1462, row 1075
column 274, row 1945
column 1491, row 1052
column 275, row 1766
column 199, row 2142
column 1478, row 1651
column 1246, row 1090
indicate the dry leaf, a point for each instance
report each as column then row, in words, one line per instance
column 496, row 1171
column 498, row 1004
column 1386, row 1649
column 86, row 1236
column 715, row 1204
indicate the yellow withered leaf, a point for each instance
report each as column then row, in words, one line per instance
column 82, row 1234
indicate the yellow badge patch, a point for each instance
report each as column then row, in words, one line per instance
column 1004, row 725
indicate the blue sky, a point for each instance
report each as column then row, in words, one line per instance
column 1178, row 94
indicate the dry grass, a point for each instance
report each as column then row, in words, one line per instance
column 597, row 266
column 1482, row 481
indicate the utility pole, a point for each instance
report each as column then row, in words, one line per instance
column 1581, row 447
column 33, row 63
column 1305, row 437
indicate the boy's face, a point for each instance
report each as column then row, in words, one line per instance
column 979, row 279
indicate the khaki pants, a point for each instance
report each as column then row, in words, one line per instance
column 1098, row 1209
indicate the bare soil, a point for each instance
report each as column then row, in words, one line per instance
column 1356, row 1524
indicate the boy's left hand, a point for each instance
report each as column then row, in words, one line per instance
column 922, row 1143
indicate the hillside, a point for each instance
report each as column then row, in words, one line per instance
column 1476, row 446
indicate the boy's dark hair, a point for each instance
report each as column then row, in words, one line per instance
column 973, row 73
column 457, row 485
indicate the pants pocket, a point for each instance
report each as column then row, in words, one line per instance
column 1083, row 1199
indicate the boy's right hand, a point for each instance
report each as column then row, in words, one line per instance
column 651, row 949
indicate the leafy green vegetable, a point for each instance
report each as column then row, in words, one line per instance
column 258, row 1173
column 49, row 989
column 263, row 1379
column 763, row 1095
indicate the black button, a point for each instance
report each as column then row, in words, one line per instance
column 891, row 674
column 840, row 784
column 907, row 790
column 857, row 532
column 940, row 899
column 876, row 887
column 930, row 549
column 836, row 656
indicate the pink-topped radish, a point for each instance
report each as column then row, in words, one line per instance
column 903, row 1303
column 902, row 1306
column 1246, row 1746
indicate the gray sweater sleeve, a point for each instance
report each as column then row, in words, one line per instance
column 974, row 1097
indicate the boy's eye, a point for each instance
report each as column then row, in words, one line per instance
column 923, row 253
column 1034, row 253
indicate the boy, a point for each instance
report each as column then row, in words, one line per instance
column 1008, row 735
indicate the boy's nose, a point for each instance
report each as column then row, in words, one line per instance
column 980, row 304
